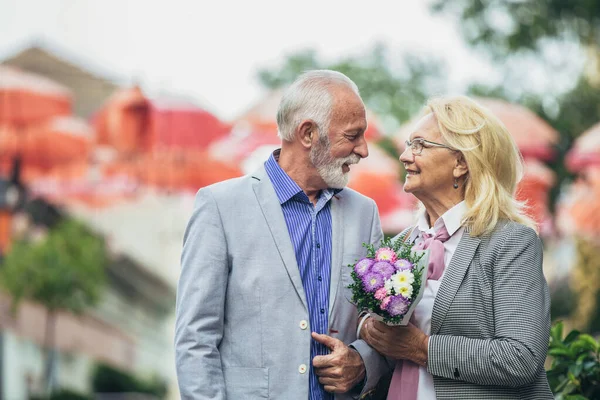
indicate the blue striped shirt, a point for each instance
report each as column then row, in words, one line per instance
column 309, row 227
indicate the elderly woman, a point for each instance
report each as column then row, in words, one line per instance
column 482, row 327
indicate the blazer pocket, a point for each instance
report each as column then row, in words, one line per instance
column 246, row 383
column 345, row 282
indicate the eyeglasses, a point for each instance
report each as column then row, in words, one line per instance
column 417, row 145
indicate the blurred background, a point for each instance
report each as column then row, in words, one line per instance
column 114, row 113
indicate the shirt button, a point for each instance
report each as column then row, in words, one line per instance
column 302, row 368
column 322, row 311
column 320, row 278
column 303, row 324
column 318, row 245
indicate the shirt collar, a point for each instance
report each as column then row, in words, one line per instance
column 285, row 187
column 451, row 219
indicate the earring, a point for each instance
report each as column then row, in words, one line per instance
column 455, row 183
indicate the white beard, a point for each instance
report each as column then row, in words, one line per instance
column 329, row 168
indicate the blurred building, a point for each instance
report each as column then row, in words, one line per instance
column 131, row 328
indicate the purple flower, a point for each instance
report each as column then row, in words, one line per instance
column 398, row 305
column 383, row 268
column 363, row 266
column 403, row 265
column 372, row 281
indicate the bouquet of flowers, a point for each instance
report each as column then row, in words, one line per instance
column 389, row 281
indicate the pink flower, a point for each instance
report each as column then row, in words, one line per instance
column 385, row 302
column 381, row 293
column 385, row 254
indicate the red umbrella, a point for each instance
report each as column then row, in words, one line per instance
column 132, row 123
column 57, row 141
column 533, row 190
column 172, row 170
column 26, row 97
column 179, row 124
column 579, row 212
column 260, row 118
column 534, row 136
column 586, row 150
column 123, row 122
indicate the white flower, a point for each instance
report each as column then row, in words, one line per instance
column 388, row 285
column 405, row 290
column 402, row 277
column 402, row 280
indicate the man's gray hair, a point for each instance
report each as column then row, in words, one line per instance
column 309, row 97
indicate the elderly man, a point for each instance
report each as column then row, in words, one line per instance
column 265, row 258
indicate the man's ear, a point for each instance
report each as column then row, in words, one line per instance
column 306, row 132
column 460, row 166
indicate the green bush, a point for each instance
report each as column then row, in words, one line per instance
column 575, row 370
column 108, row 379
column 64, row 394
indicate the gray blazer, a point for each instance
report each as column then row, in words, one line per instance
column 490, row 324
column 241, row 327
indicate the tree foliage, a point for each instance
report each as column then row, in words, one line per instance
column 63, row 271
column 395, row 94
column 505, row 26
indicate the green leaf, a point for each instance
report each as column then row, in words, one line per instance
column 571, row 336
column 556, row 332
column 576, row 397
column 561, row 352
column 575, row 370
column 594, row 345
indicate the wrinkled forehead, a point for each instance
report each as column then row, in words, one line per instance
column 343, row 95
column 348, row 108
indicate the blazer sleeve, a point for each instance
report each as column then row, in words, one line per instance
column 200, row 303
column 521, row 304
column 375, row 364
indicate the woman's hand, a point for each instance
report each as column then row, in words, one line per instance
column 397, row 342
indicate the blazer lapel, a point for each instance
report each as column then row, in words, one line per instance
column 271, row 209
column 452, row 279
column 337, row 246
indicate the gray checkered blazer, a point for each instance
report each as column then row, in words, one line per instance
column 490, row 323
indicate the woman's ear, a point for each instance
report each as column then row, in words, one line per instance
column 460, row 167
column 306, row 132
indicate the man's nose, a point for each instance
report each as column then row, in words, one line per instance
column 362, row 149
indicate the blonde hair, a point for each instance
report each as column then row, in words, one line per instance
column 493, row 159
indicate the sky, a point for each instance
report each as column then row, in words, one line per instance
column 211, row 51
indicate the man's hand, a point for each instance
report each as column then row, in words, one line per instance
column 340, row 370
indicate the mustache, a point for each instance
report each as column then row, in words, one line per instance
column 351, row 159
